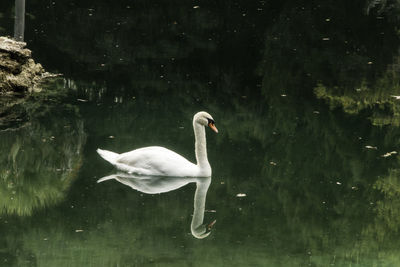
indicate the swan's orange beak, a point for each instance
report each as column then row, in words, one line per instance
column 212, row 126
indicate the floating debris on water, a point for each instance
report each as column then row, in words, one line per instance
column 338, row 183
column 82, row 100
column 78, row 230
column 241, row 195
column 272, row 163
column 196, row 6
column 371, row 147
column 111, row 137
column 389, row 154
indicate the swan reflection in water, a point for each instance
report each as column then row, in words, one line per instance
column 162, row 184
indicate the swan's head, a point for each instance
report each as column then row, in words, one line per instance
column 205, row 119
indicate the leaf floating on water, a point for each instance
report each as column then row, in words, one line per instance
column 213, row 211
column 241, row 195
column 389, row 154
column 371, row 147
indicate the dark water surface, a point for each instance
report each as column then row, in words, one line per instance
column 306, row 169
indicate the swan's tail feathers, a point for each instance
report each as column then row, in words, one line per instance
column 105, row 178
column 108, row 155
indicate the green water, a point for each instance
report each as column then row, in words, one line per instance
column 305, row 164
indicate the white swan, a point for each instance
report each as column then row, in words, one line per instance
column 159, row 161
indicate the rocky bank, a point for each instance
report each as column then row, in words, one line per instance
column 19, row 74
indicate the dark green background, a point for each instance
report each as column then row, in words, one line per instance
column 302, row 94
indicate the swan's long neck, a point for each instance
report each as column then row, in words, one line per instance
column 200, row 145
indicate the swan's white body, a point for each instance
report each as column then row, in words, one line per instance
column 160, row 161
column 153, row 160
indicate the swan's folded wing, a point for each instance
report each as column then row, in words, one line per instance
column 156, row 161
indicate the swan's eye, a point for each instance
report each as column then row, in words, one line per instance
column 211, row 124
